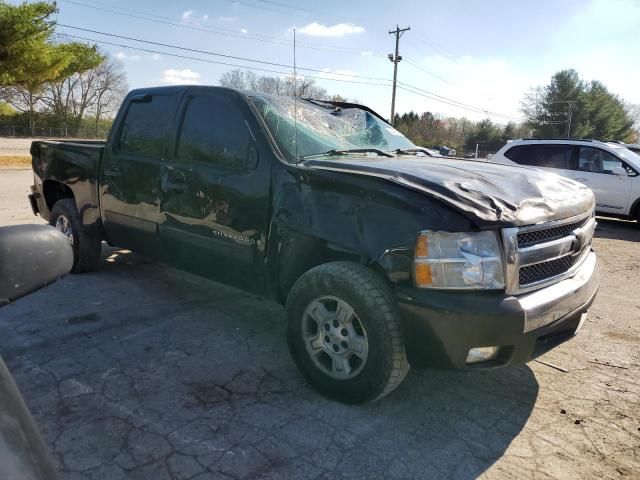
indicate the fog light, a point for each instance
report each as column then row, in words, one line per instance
column 481, row 354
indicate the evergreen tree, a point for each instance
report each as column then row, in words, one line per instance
column 594, row 112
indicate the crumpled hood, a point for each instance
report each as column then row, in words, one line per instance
column 488, row 193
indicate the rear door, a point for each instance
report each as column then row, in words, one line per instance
column 557, row 158
column 131, row 169
column 595, row 169
column 215, row 192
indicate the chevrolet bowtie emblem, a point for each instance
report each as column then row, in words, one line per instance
column 578, row 242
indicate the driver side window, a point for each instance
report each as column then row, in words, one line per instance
column 595, row 160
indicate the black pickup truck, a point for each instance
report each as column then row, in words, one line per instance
column 384, row 256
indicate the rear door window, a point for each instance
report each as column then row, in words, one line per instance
column 146, row 125
column 214, row 131
column 545, row 156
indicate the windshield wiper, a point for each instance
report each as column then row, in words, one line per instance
column 412, row 151
column 334, row 152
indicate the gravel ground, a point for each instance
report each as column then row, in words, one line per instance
column 141, row 371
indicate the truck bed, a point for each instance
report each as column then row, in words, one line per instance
column 74, row 164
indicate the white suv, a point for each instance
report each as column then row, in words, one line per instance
column 609, row 169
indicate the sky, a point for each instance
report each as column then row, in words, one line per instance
column 485, row 54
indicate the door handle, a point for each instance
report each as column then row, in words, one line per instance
column 113, row 172
column 581, row 179
column 173, row 181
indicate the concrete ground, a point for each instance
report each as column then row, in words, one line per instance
column 15, row 146
column 140, row 371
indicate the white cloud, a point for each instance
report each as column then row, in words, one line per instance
column 189, row 16
column 366, row 53
column 244, row 30
column 124, row 56
column 187, row 76
column 337, row 74
column 316, row 29
column 226, row 19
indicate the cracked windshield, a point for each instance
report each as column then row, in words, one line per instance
column 322, row 127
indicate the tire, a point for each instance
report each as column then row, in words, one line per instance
column 86, row 243
column 374, row 363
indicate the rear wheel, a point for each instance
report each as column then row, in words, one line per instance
column 85, row 242
column 344, row 333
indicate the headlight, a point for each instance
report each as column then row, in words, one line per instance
column 458, row 260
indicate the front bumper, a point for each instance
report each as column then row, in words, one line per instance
column 442, row 326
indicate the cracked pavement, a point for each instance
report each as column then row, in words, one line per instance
column 140, row 371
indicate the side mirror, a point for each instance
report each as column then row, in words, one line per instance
column 31, row 256
column 621, row 171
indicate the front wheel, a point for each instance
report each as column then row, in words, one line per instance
column 344, row 333
column 85, row 242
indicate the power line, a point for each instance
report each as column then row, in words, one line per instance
column 246, row 67
column 304, row 11
column 454, row 103
column 214, row 30
column 374, row 81
column 436, row 46
column 444, row 80
column 233, row 57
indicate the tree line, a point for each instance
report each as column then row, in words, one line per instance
column 48, row 83
column 595, row 113
column 68, row 85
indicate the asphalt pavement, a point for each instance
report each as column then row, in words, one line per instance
column 140, row 371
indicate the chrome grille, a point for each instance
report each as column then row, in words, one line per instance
column 538, row 236
column 541, row 271
column 540, row 255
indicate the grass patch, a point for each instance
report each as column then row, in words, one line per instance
column 15, row 161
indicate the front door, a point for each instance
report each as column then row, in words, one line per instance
column 131, row 173
column 596, row 170
column 215, row 192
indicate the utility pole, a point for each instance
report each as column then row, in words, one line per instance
column 569, row 113
column 398, row 32
column 569, row 104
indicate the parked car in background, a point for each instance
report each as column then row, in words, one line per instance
column 446, row 151
column 610, row 169
column 383, row 255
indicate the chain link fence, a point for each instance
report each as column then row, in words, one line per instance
column 53, row 132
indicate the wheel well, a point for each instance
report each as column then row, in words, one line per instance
column 54, row 191
column 317, row 254
column 634, row 212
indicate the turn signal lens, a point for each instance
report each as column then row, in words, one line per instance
column 423, row 274
column 422, row 247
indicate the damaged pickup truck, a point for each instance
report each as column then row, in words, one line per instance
column 384, row 257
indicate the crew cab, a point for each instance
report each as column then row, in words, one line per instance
column 384, row 256
column 610, row 169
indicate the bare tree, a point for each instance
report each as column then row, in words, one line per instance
column 96, row 91
column 302, row 87
column 233, row 79
column 633, row 109
column 111, row 89
column 24, row 100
